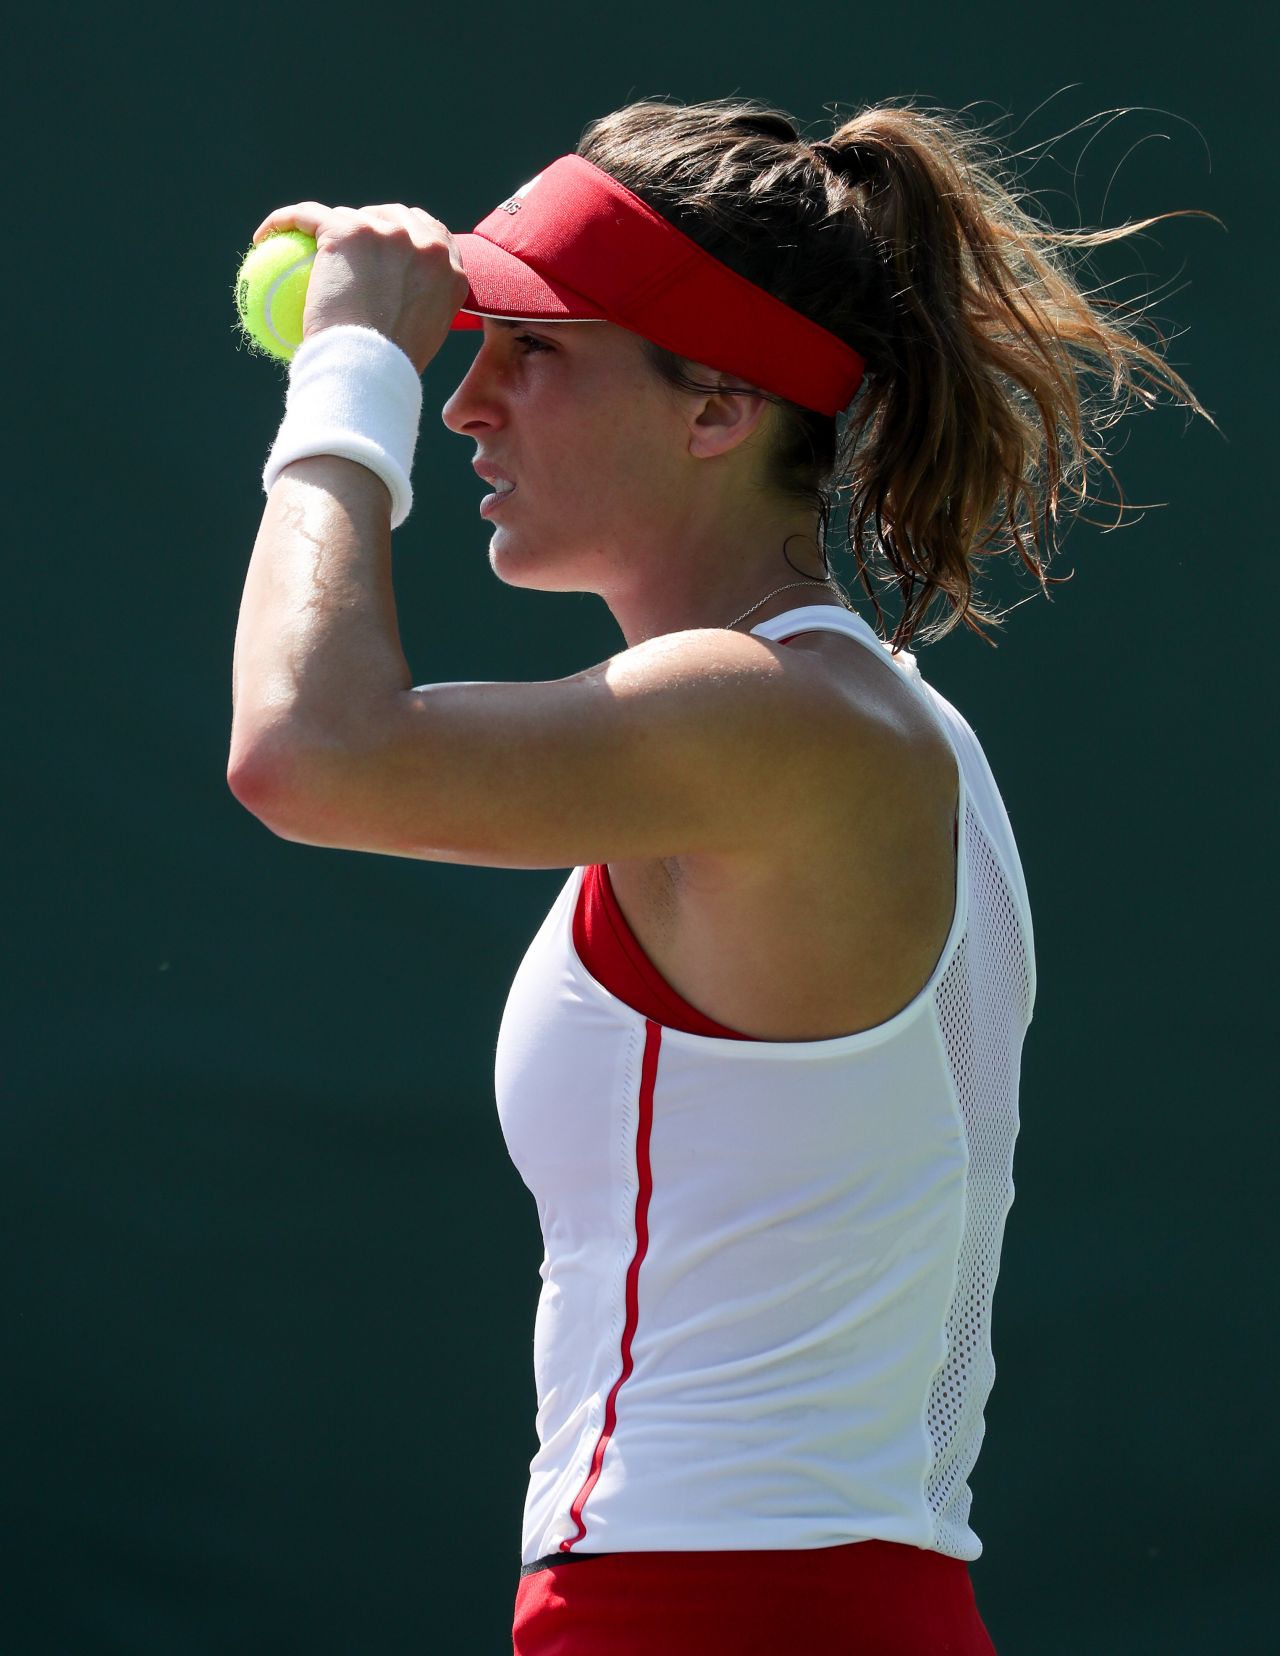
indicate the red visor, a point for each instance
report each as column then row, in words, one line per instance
column 574, row 245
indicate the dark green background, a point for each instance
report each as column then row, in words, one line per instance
column 271, row 1277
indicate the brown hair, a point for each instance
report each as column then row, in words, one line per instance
column 904, row 234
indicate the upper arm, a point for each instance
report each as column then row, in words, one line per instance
column 704, row 741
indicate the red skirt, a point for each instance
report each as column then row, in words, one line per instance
column 866, row 1598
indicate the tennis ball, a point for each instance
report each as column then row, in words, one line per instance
column 271, row 291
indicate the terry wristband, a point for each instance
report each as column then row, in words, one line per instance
column 352, row 392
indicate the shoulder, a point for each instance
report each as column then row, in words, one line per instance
column 710, row 668
column 836, row 722
column 826, row 678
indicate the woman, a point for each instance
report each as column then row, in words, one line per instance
column 759, row 1066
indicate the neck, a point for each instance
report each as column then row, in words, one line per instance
column 786, row 580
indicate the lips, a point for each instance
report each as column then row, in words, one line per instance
column 492, row 502
column 491, row 473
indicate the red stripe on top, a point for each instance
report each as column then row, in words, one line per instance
column 644, row 1189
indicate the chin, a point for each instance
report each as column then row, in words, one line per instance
column 528, row 570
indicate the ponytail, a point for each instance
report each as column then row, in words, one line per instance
column 993, row 375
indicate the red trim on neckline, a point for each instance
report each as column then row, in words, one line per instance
column 608, row 948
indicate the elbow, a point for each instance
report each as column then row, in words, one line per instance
column 246, row 786
column 269, row 784
column 264, row 780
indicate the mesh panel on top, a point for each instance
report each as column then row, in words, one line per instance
column 983, row 1002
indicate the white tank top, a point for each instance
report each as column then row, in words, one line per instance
column 765, row 1319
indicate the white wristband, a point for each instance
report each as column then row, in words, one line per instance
column 352, row 392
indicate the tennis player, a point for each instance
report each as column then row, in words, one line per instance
column 759, row 1066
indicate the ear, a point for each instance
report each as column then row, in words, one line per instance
column 721, row 422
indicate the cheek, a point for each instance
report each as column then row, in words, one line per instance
column 631, row 452
column 602, row 447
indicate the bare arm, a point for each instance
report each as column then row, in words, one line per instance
column 693, row 741
column 317, row 648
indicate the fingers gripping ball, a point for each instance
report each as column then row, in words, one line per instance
column 271, row 291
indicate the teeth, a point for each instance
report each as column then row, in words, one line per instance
column 503, row 487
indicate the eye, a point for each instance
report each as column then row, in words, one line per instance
column 533, row 343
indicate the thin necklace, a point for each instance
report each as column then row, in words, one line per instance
column 774, row 594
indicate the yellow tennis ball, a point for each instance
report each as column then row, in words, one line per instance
column 271, row 291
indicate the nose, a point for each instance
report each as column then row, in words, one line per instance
column 474, row 402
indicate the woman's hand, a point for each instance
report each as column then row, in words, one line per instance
column 392, row 268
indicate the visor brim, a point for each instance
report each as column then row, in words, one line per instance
column 503, row 285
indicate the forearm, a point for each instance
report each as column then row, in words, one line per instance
column 317, row 643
